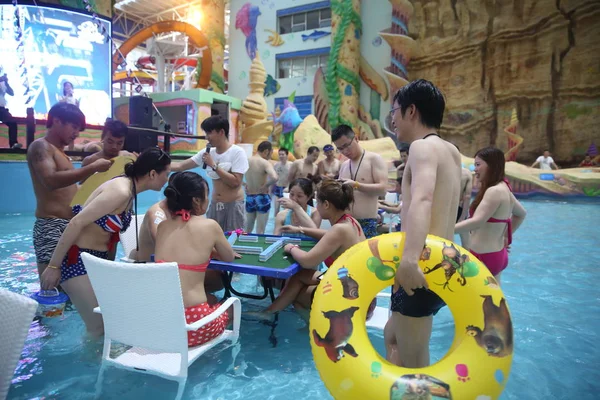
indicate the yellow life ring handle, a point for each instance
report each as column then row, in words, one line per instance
column 479, row 360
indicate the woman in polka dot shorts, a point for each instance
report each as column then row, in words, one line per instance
column 189, row 239
column 95, row 229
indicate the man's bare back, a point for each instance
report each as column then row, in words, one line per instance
column 156, row 214
column 52, row 201
column 258, row 171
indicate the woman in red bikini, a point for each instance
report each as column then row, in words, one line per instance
column 494, row 215
column 189, row 239
column 95, row 228
column 333, row 201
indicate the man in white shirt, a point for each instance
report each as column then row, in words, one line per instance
column 226, row 164
column 545, row 162
column 5, row 116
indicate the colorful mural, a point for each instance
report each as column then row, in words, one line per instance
column 402, row 45
column 342, row 80
column 246, row 20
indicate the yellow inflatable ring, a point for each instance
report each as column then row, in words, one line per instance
column 476, row 366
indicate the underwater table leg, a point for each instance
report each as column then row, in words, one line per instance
column 229, row 289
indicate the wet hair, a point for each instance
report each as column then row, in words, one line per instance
column 286, row 151
column 65, row 83
column 342, row 130
column 66, row 113
column 153, row 158
column 264, row 146
column 215, row 123
column 116, row 128
column 494, row 158
column 336, row 193
column 312, row 149
column 427, row 99
column 183, row 188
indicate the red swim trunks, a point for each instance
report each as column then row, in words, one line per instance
column 209, row 331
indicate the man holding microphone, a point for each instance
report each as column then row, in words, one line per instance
column 226, row 164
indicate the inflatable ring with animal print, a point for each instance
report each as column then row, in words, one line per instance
column 478, row 362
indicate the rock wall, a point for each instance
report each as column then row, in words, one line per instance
column 540, row 57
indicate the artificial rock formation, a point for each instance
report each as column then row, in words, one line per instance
column 253, row 118
column 540, row 57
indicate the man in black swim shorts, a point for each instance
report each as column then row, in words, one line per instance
column 430, row 193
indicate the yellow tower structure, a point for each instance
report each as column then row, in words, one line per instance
column 254, row 126
column 213, row 25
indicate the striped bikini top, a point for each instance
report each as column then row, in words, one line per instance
column 111, row 223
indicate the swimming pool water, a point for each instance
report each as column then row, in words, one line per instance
column 550, row 286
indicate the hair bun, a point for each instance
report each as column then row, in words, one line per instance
column 130, row 170
column 171, row 193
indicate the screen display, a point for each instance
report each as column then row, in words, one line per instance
column 60, row 55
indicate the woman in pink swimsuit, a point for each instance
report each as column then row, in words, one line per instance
column 494, row 215
column 189, row 239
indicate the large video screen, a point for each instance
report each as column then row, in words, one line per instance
column 56, row 47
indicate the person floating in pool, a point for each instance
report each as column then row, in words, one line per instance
column 333, row 202
column 495, row 214
column 260, row 177
column 55, row 179
column 177, row 240
column 95, row 230
column 430, row 196
column 366, row 172
column 297, row 213
column 226, row 164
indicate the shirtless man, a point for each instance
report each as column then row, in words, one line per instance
column 403, row 159
column 55, row 179
column 304, row 167
column 226, row 164
column 113, row 140
column 260, row 177
column 282, row 168
column 330, row 166
column 430, row 192
column 464, row 200
column 366, row 172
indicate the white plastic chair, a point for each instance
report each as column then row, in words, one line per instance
column 128, row 238
column 142, row 306
column 16, row 313
column 380, row 314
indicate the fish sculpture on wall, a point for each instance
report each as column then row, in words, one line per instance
column 274, row 38
column 245, row 20
column 316, row 35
